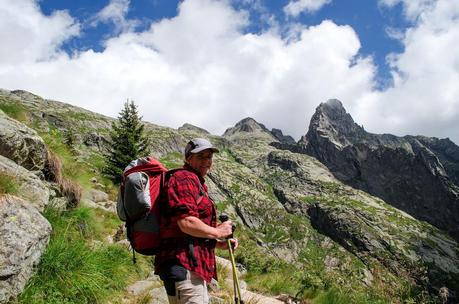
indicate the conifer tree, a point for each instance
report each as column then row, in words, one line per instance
column 128, row 141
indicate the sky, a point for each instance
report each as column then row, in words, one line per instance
column 394, row 64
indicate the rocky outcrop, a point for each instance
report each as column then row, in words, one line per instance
column 24, row 234
column 447, row 152
column 21, row 144
column 399, row 242
column 283, row 139
column 29, row 186
column 408, row 172
column 364, row 225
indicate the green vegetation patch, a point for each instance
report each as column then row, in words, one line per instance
column 77, row 171
column 172, row 160
column 78, row 269
column 14, row 109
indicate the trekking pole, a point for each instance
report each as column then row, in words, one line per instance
column 236, row 286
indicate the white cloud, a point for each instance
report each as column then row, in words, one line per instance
column 203, row 67
column 425, row 96
column 411, row 8
column 296, row 7
column 116, row 12
column 28, row 36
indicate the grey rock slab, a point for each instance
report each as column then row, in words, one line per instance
column 21, row 144
column 24, row 235
column 251, row 297
column 96, row 195
column 30, row 187
column 140, row 287
column 158, row 296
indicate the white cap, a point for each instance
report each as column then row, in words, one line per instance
column 197, row 145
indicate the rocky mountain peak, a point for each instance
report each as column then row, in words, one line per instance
column 331, row 120
column 190, row 127
column 248, row 125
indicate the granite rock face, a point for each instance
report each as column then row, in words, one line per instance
column 415, row 174
column 24, row 235
column 21, row 144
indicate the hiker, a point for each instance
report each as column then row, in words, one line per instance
column 187, row 263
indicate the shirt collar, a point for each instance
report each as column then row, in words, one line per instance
column 189, row 168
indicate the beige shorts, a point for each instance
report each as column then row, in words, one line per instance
column 193, row 290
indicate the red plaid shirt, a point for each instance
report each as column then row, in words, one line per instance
column 185, row 188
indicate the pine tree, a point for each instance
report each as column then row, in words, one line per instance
column 128, row 141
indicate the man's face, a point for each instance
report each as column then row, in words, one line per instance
column 201, row 162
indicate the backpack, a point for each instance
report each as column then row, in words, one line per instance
column 142, row 190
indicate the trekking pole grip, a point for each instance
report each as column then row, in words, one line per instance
column 224, row 218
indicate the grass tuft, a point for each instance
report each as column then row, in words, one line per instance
column 8, row 184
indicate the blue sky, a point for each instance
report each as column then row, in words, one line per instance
column 393, row 63
column 369, row 20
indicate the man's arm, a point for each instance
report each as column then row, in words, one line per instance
column 195, row 227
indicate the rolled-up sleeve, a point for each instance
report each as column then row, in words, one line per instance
column 182, row 196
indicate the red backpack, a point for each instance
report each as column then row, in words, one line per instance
column 142, row 190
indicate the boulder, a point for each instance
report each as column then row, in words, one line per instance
column 21, row 144
column 30, row 187
column 24, row 235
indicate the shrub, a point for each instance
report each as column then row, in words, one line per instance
column 53, row 168
column 72, row 191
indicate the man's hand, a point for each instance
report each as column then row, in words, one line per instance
column 225, row 229
column 223, row 244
